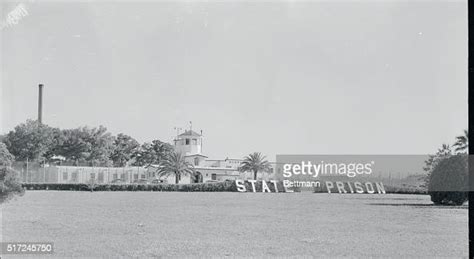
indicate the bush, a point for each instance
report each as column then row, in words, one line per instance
column 227, row 186
column 9, row 184
column 448, row 182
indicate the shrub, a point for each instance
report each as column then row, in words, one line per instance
column 9, row 184
column 448, row 181
column 6, row 158
column 227, row 186
column 92, row 185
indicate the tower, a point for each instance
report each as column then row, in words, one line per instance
column 40, row 103
column 188, row 143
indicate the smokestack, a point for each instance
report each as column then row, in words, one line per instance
column 40, row 104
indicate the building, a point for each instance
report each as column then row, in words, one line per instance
column 188, row 143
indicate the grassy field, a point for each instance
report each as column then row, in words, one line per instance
column 151, row 224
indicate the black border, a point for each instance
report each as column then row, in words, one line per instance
column 470, row 129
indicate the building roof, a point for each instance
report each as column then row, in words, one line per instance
column 189, row 133
column 195, row 155
column 238, row 159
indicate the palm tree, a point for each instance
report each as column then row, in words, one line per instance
column 445, row 150
column 462, row 142
column 175, row 164
column 255, row 163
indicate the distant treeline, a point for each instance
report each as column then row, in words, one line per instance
column 83, row 145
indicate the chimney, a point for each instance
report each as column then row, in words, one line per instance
column 40, row 104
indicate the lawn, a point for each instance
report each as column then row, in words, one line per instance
column 154, row 224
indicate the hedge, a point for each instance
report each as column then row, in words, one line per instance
column 227, row 186
column 448, row 182
column 388, row 189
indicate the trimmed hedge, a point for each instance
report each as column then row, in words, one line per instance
column 448, row 182
column 405, row 190
column 388, row 189
column 227, row 186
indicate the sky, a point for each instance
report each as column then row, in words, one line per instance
column 278, row 77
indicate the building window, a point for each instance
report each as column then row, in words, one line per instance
column 92, row 175
column 135, row 176
column 74, row 177
column 101, row 177
column 196, row 161
column 115, row 176
column 195, row 141
column 65, row 176
column 213, row 176
column 187, row 141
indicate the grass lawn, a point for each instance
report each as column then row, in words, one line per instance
column 152, row 224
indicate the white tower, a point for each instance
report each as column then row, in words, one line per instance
column 188, row 143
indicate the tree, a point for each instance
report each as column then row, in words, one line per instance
column 84, row 144
column 152, row 153
column 125, row 148
column 462, row 142
column 10, row 185
column 56, row 143
column 433, row 160
column 161, row 150
column 143, row 155
column 30, row 140
column 6, row 159
column 255, row 163
column 102, row 146
column 175, row 164
column 448, row 184
column 75, row 145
